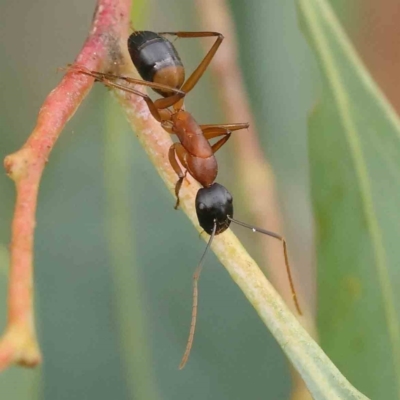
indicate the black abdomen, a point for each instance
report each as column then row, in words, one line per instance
column 151, row 53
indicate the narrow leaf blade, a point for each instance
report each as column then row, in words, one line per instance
column 354, row 141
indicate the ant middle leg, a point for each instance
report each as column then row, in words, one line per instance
column 231, row 127
column 225, row 130
column 178, row 151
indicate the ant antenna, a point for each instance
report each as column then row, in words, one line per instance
column 196, row 277
column 282, row 239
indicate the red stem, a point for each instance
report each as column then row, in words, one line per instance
column 25, row 167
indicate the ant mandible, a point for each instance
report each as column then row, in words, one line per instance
column 161, row 68
column 159, row 64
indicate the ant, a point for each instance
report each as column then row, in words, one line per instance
column 161, row 68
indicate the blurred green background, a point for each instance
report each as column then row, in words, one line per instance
column 113, row 260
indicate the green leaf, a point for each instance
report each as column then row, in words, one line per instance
column 354, row 141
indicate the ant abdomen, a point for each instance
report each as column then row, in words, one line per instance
column 156, row 60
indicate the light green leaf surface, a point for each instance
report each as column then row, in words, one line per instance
column 355, row 171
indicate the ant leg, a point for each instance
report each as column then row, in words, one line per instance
column 108, row 79
column 216, row 146
column 213, row 131
column 177, row 150
column 191, row 82
column 161, row 103
column 230, row 127
column 105, row 75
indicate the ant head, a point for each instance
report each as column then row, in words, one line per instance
column 214, row 203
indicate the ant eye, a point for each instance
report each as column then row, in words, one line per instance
column 229, row 198
column 202, row 206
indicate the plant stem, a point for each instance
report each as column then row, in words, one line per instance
column 25, row 167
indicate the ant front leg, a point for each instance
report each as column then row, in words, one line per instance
column 178, row 151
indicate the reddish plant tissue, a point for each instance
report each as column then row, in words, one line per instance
column 25, row 167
